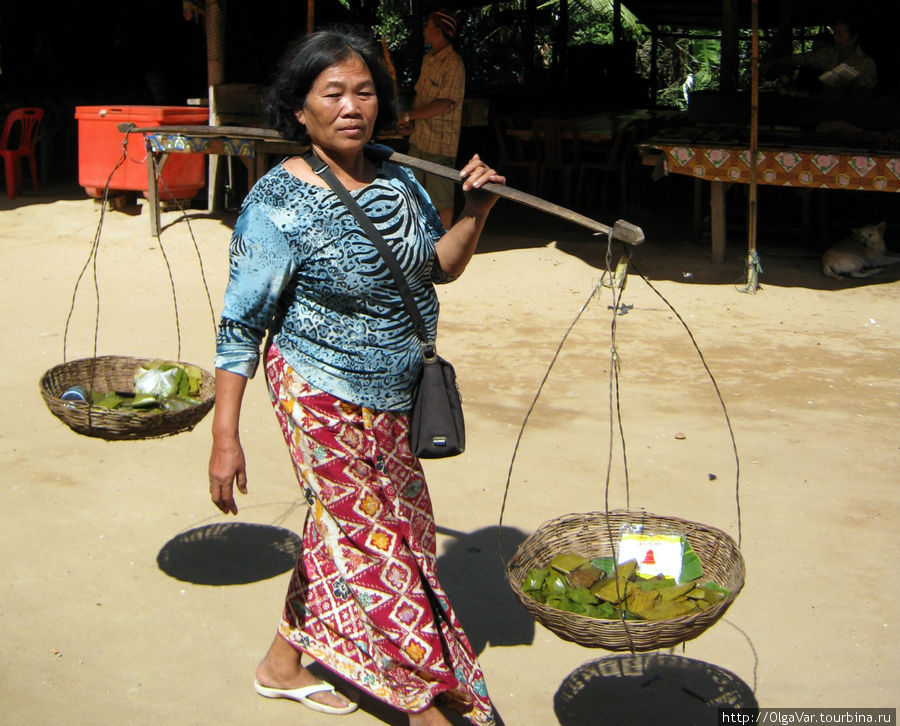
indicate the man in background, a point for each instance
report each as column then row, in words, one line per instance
column 845, row 68
column 435, row 118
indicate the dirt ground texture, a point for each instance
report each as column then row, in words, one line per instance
column 106, row 617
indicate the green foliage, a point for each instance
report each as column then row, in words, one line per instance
column 495, row 46
column 593, row 34
column 392, row 24
column 492, row 39
column 684, row 63
column 591, row 21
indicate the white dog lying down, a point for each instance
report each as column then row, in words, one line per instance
column 858, row 255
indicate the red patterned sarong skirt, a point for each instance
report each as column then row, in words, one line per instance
column 364, row 599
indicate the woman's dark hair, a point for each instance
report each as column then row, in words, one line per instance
column 302, row 64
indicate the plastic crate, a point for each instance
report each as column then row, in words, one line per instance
column 100, row 148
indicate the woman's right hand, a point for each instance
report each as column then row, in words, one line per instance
column 227, row 469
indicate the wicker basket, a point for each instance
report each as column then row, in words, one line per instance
column 116, row 373
column 588, row 535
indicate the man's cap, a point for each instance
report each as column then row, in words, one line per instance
column 445, row 21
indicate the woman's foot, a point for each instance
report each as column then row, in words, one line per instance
column 281, row 669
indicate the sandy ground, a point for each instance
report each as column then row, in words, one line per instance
column 107, row 617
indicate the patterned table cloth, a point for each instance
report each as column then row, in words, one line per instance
column 801, row 168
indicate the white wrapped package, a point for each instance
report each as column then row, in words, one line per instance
column 155, row 382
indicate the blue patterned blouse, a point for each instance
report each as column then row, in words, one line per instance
column 301, row 268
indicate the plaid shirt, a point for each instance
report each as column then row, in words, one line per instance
column 443, row 75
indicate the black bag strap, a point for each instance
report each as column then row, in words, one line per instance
column 324, row 171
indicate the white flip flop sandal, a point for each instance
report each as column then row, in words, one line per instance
column 302, row 695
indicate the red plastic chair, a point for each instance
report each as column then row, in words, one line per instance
column 29, row 120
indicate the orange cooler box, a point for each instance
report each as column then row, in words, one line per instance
column 100, row 148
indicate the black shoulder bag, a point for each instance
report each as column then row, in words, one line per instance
column 436, row 425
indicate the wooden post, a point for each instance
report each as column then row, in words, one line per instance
column 752, row 258
column 310, row 16
column 697, row 216
column 214, row 19
column 717, row 220
column 152, row 191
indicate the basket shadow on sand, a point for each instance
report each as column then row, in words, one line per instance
column 649, row 688
column 229, row 553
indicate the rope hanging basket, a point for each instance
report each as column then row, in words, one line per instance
column 589, row 535
column 116, row 373
column 592, row 535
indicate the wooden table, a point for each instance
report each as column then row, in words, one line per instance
column 796, row 167
column 249, row 143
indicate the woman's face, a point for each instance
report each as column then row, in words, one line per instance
column 341, row 107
